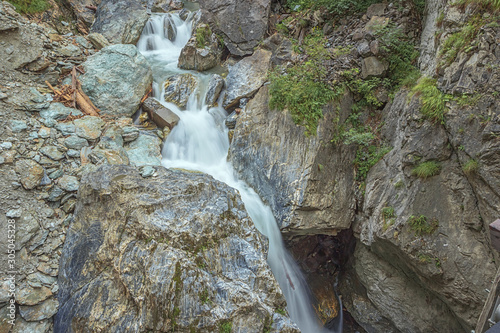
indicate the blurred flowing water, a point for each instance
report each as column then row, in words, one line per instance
column 200, row 142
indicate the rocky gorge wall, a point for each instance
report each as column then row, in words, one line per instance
column 398, row 279
column 393, row 276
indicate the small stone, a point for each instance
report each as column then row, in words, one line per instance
column 69, row 50
column 66, row 128
column 6, row 145
column 83, row 42
column 130, row 133
column 147, row 171
column 58, row 111
column 231, row 120
column 13, row 213
column 52, row 152
column 44, row 132
column 17, row 126
column 376, row 23
column 30, row 173
column 32, row 296
column 73, row 153
column 41, row 311
column 89, row 127
column 55, row 194
column 178, row 88
column 160, row 115
column 215, row 86
column 377, row 9
column 145, row 150
column 69, row 183
column 56, row 174
column 3, row 95
column 98, row 40
column 23, row 326
column 49, row 122
column 75, row 142
column 372, row 66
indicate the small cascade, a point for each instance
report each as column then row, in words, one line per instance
column 200, row 142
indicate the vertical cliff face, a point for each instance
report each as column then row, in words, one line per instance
column 307, row 181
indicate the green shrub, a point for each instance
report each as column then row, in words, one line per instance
column 481, row 5
column 471, row 166
column 203, row 34
column 335, row 7
column 366, row 157
column 303, row 89
column 432, row 100
column 389, row 217
column 30, row 6
column 421, row 226
column 426, row 169
column 226, row 327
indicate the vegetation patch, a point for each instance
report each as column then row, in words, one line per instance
column 389, row 217
column 204, row 297
column 432, row 100
column 335, row 7
column 470, row 166
column 422, row 226
column 30, row 6
column 424, row 258
column 426, row 169
column 226, row 327
column 203, row 34
column 303, row 88
column 366, row 157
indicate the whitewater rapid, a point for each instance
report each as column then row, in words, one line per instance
column 200, row 142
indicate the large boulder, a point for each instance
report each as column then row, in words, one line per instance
column 243, row 23
column 120, row 22
column 116, row 79
column 246, row 77
column 307, row 181
column 174, row 252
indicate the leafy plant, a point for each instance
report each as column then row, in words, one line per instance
column 302, row 88
column 421, row 226
column 226, row 327
column 203, row 34
column 389, row 217
column 470, row 166
column 426, row 169
column 281, row 311
column 366, row 157
column 432, row 100
column 30, row 6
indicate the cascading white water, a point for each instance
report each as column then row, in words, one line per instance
column 200, row 142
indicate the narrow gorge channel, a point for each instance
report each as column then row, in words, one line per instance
column 200, row 142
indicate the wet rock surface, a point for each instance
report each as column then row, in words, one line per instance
column 178, row 88
column 246, row 77
column 290, row 171
column 175, row 259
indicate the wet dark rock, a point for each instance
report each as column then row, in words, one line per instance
column 246, row 77
column 215, row 86
column 178, row 88
column 160, row 115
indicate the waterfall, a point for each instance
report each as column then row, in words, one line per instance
column 200, row 142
